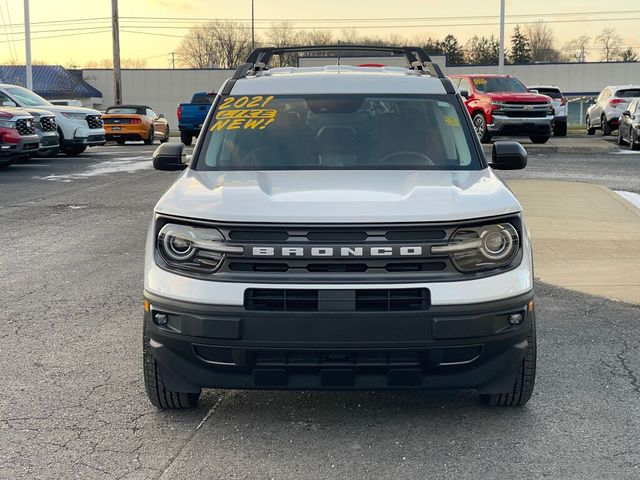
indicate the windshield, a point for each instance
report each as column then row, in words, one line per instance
column 498, row 84
column 338, row 132
column 203, row 98
column 126, row 110
column 26, row 97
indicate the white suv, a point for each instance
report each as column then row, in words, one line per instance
column 559, row 102
column 338, row 228
column 78, row 127
column 605, row 113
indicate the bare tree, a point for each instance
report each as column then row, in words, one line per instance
column 198, row 49
column 540, row 37
column 629, row 55
column 282, row 34
column 222, row 43
column 575, row 50
column 610, row 44
column 317, row 37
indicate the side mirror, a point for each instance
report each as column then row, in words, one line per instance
column 626, row 113
column 9, row 104
column 170, row 156
column 161, row 115
column 533, row 90
column 464, row 93
column 508, row 155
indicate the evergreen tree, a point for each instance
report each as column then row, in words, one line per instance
column 520, row 50
column 482, row 50
column 452, row 49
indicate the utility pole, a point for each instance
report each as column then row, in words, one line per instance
column 173, row 60
column 27, row 44
column 117, row 75
column 253, row 28
column 501, row 54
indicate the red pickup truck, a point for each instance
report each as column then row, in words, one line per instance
column 501, row 105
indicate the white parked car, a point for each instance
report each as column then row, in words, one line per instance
column 605, row 113
column 559, row 102
column 78, row 127
column 338, row 227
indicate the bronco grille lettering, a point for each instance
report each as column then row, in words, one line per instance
column 352, row 251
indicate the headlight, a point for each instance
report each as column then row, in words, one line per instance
column 481, row 248
column 193, row 249
column 75, row 115
column 7, row 124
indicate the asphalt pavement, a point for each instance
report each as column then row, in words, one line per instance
column 73, row 402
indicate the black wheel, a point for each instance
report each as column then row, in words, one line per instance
column 539, row 140
column 120, row 141
column 633, row 140
column 620, row 139
column 480, row 127
column 74, row 150
column 525, row 380
column 149, row 141
column 590, row 129
column 159, row 395
column 606, row 128
column 166, row 136
column 560, row 130
column 186, row 138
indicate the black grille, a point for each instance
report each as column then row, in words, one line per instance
column 526, row 114
column 339, row 358
column 48, row 124
column 25, row 127
column 313, row 300
column 94, row 121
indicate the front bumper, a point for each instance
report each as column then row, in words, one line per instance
column 20, row 146
column 503, row 125
column 442, row 347
column 86, row 136
column 48, row 141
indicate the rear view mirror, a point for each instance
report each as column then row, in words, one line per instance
column 464, row 93
column 9, row 104
column 533, row 90
column 626, row 113
column 161, row 115
column 170, row 156
column 508, row 155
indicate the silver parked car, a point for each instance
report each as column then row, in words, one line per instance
column 559, row 102
column 605, row 113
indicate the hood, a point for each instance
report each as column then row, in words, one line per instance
column 38, row 112
column 64, row 108
column 349, row 196
column 9, row 112
column 518, row 97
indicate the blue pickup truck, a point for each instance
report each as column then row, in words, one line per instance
column 191, row 115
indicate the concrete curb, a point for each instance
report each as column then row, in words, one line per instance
column 549, row 148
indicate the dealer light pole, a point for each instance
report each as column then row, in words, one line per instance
column 27, row 44
column 117, row 76
column 501, row 53
column 253, row 28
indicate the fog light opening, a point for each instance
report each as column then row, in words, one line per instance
column 160, row 318
column 516, row 318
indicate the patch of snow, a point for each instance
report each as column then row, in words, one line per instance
column 627, row 152
column 631, row 197
column 124, row 165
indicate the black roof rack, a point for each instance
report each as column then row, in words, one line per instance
column 416, row 57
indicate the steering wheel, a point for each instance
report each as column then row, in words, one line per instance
column 407, row 153
column 252, row 155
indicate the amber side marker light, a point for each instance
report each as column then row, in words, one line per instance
column 146, row 306
column 530, row 307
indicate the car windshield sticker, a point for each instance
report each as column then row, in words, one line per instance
column 452, row 121
column 248, row 113
column 480, row 81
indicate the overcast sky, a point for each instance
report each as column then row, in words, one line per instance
column 89, row 38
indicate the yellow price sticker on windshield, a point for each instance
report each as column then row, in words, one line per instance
column 246, row 113
column 480, row 81
column 452, row 121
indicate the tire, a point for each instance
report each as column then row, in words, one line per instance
column 186, row 138
column 560, row 130
column 159, row 395
column 590, row 129
column 539, row 140
column 480, row 127
column 606, row 128
column 74, row 150
column 525, row 379
column 149, row 141
column 120, row 141
column 620, row 139
column 166, row 136
column 633, row 141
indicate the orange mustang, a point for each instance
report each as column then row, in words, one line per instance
column 135, row 122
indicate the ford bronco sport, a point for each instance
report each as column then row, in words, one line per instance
column 338, row 228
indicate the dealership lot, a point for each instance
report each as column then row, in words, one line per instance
column 74, row 406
